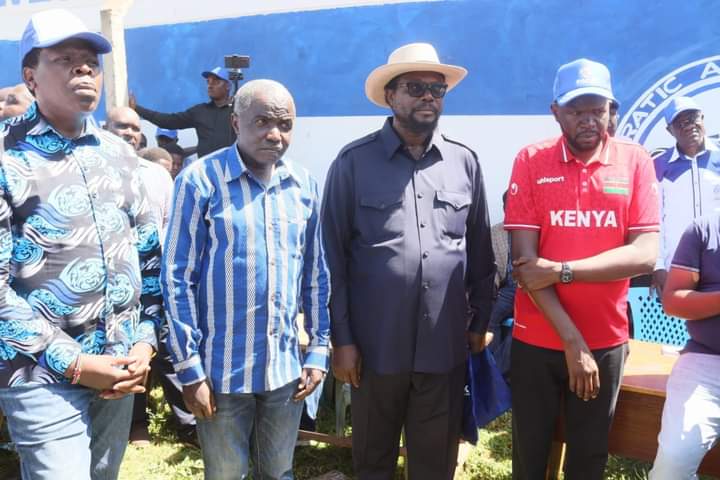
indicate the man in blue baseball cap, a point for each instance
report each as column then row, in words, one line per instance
column 79, row 253
column 210, row 120
column 688, row 175
column 583, row 217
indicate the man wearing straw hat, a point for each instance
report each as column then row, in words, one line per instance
column 408, row 241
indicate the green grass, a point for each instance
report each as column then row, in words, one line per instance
column 166, row 459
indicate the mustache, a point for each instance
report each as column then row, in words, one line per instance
column 426, row 108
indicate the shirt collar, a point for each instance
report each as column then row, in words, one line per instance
column 235, row 167
column 391, row 140
column 603, row 157
column 710, row 146
column 36, row 133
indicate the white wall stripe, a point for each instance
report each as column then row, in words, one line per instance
column 171, row 261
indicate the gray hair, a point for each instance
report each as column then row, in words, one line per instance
column 256, row 88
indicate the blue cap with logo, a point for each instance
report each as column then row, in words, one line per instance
column 679, row 105
column 50, row 27
column 581, row 77
column 220, row 72
column 164, row 132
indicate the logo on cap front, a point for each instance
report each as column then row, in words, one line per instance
column 585, row 74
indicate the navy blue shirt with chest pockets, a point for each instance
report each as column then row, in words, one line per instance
column 408, row 245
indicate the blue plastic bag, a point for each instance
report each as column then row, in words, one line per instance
column 487, row 395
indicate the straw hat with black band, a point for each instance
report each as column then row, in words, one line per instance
column 414, row 57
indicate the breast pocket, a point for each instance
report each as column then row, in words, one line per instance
column 381, row 217
column 451, row 210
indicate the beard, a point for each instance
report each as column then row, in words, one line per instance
column 584, row 144
column 412, row 123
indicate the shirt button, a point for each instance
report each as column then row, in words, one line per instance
column 584, row 170
column 419, row 195
column 425, row 254
column 94, row 195
column 584, row 184
column 426, row 316
column 426, row 285
column 422, row 224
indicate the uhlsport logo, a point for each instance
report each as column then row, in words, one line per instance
column 644, row 121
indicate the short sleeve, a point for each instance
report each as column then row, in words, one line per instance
column 689, row 250
column 520, row 211
column 644, row 213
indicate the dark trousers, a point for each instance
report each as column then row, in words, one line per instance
column 539, row 390
column 428, row 405
column 162, row 371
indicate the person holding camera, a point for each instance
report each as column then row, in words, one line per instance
column 211, row 120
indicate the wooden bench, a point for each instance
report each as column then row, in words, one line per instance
column 639, row 408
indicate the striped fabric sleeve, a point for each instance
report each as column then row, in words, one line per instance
column 184, row 245
column 688, row 254
column 316, row 291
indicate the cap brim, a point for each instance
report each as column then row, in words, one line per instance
column 207, row 74
column 686, row 109
column 378, row 78
column 568, row 97
column 100, row 43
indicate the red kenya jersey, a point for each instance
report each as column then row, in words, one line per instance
column 581, row 210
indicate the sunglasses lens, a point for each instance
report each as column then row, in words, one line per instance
column 438, row 89
column 416, row 89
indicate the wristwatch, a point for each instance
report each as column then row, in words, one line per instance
column 566, row 274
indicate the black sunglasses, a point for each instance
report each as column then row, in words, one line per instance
column 418, row 89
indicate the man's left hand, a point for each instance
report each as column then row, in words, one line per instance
column 479, row 341
column 535, row 273
column 139, row 369
column 309, row 380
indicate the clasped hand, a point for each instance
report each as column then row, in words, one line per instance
column 535, row 273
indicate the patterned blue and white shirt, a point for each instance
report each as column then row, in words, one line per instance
column 239, row 258
column 79, row 250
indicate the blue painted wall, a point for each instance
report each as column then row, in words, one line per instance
column 511, row 48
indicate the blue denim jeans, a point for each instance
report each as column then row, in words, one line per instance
column 66, row 432
column 262, row 426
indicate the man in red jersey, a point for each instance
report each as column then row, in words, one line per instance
column 583, row 215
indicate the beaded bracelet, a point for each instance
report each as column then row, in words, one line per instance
column 76, row 372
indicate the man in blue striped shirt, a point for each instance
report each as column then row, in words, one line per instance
column 243, row 246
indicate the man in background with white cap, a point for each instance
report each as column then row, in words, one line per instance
column 210, row 120
column 582, row 212
column 688, row 174
column 407, row 235
column 79, row 263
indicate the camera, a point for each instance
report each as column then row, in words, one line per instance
column 235, row 63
